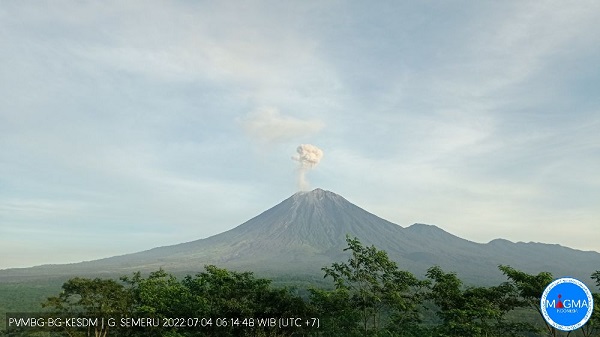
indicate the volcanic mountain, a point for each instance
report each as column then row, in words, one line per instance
column 308, row 230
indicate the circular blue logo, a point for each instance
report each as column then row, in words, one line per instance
column 567, row 304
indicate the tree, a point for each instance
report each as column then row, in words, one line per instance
column 230, row 294
column 159, row 295
column 596, row 277
column 374, row 283
column 530, row 289
column 236, row 299
column 473, row 311
column 338, row 316
column 592, row 327
column 92, row 298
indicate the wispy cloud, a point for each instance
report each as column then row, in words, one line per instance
column 459, row 114
column 267, row 125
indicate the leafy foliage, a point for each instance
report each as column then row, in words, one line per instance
column 90, row 298
column 474, row 311
column 215, row 294
column 339, row 317
column 592, row 327
column 530, row 289
column 370, row 296
column 375, row 287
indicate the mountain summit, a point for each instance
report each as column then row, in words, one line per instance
column 317, row 221
column 308, row 230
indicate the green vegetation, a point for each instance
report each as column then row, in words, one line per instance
column 375, row 290
column 368, row 296
column 24, row 297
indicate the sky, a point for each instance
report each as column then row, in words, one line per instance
column 129, row 125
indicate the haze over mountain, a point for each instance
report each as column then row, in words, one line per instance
column 307, row 231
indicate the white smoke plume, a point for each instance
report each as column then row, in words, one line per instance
column 308, row 157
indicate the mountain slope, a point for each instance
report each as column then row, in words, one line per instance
column 307, row 231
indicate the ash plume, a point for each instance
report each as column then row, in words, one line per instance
column 308, row 157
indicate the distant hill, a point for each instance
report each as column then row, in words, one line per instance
column 307, row 231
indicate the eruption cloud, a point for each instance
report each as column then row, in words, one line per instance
column 308, row 157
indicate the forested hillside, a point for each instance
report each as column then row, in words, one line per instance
column 367, row 295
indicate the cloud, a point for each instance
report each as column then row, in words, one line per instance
column 485, row 114
column 269, row 126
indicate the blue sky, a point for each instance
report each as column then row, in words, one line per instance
column 130, row 125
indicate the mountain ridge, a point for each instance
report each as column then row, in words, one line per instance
column 307, row 231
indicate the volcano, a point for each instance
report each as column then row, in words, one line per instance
column 308, row 230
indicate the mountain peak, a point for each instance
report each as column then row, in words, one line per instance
column 308, row 230
column 317, row 195
column 314, row 222
column 316, row 192
column 425, row 228
column 500, row 242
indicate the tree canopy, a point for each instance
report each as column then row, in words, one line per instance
column 369, row 296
